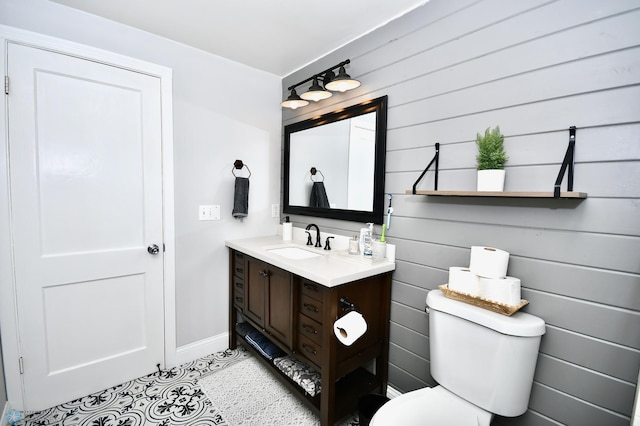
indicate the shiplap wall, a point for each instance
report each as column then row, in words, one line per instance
column 452, row 69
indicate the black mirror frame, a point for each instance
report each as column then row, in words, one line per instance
column 377, row 215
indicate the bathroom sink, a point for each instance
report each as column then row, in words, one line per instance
column 295, row 253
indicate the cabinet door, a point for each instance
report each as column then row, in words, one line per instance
column 279, row 315
column 255, row 282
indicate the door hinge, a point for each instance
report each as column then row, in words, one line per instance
column 6, row 84
column 21, row 365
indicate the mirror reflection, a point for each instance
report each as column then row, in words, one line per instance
column 334, row 164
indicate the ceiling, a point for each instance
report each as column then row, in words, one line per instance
column 276, row 36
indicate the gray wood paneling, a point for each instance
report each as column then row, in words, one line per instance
column 598, row 355
column 409, row 340
column 452, row 69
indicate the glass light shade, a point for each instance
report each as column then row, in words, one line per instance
column 294, row 101
column 342, row 82
column 316, row 92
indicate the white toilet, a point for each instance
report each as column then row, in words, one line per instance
column 483, row 362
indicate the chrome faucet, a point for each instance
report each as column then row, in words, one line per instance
column 313, row 225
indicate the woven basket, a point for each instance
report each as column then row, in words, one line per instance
column 490, row 305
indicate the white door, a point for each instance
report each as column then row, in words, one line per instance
column 86, row 203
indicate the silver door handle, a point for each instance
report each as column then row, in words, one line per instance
column 153, row 249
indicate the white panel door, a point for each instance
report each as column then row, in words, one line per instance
column 86, row 203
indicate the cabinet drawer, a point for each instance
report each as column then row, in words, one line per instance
column 310, row 329
column 238, row 299
column 311, row 308
column 311, row 289
column 238, row 264
column 309, row 349
column 238, row 284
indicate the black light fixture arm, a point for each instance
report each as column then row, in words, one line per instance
column 320, row 74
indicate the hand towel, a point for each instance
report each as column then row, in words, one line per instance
column 318, row 196
column 241, row 198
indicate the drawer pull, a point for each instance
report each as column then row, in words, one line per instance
column 263, row 274
column 239, row 284
column 238, row 299
column 240, row 270
column 311, row 287
column 309, row 349
column 310, row 307
column 309, row 329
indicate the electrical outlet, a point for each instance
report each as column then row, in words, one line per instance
column 209, row 212
column 275, row 210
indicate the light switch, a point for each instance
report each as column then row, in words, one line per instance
column 209, row 212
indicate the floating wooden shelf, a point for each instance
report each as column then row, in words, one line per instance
column 503, row 194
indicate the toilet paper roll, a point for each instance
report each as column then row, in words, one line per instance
column 489, row 262
column 350, row 328
column 463, row 280
column 504, row 290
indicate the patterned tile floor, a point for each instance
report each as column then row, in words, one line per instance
column 171, row 397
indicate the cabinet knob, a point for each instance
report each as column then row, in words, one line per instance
column 309, row 329
column 263, row 274
column 309, row 349
column 310, row 307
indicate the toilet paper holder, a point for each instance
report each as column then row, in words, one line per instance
column 346, row 305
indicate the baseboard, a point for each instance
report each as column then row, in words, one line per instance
column 392, row 392
column 5, row 411
column 195, row 350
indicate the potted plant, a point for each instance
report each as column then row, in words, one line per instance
column 490, row 160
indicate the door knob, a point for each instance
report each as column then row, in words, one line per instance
column 153, row 249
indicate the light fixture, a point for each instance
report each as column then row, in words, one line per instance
column 294, row 101
column 317, row 92
column 342, row 82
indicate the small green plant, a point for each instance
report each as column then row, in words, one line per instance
column 491, row 154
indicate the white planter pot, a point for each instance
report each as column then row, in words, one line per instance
column 491, row 180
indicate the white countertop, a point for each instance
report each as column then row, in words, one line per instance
column 331, row 268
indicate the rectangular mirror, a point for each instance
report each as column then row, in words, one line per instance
column 334, row 164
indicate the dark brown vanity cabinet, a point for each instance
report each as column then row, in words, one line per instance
column 298, row 315
column 268, row 299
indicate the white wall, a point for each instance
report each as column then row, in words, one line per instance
column 215, row 123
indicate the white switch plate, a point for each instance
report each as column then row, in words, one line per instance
column 275, row 210
column 209, row 212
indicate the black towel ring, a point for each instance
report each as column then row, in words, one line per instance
column 313, row 172
column 239, row 165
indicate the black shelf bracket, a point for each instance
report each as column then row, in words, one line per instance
column 567, row 163
column 435, row 159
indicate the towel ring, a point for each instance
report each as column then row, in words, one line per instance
column 239, row 165
column 313, row 172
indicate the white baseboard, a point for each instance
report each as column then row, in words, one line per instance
column 392, row 392
column 195, row 350
column 5, row 411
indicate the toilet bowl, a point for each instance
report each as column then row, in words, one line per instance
column 430, row 406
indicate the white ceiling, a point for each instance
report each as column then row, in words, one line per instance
column 277, row 36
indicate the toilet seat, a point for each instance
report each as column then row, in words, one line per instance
column 430, row 406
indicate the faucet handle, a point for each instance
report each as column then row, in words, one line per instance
column 309, row 242
column 327, row 246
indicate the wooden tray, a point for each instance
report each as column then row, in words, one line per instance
column 491, row 305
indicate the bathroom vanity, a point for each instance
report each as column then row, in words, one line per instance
column 293, row 294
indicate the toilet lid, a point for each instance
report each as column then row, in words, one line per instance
column 430, row 406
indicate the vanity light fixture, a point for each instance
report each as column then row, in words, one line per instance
column 294, row 101
column 317, row 92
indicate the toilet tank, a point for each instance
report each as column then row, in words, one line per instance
column 483, row 357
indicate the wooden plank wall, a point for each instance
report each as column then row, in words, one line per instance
column 534, row 67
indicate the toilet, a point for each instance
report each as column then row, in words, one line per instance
column 482, row 361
